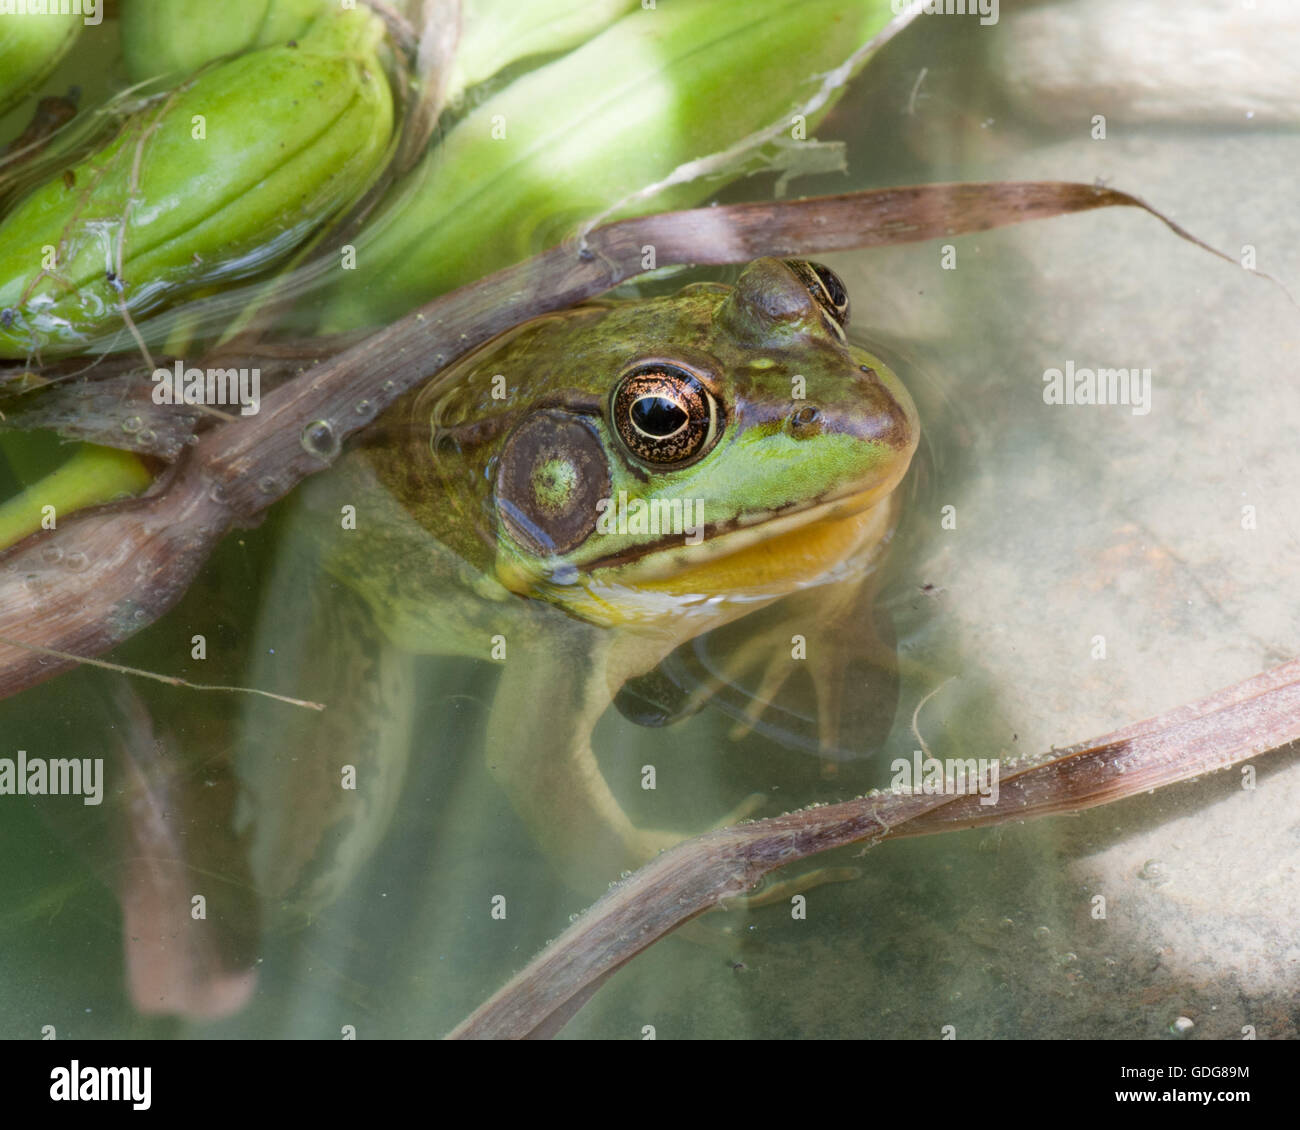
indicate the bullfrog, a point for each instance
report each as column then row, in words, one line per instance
column 572, row 501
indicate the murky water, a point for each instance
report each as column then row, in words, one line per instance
column 1095, row 569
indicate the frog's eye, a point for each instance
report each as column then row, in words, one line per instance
column 826, row 287
column 665, row 415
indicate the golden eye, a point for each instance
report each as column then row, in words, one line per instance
column 665, row 415
column 826, row 287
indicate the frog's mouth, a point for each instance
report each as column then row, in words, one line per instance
column 742, row 564
column 763, row 552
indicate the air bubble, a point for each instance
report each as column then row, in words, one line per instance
column 320, row 439
column 52, row 554
column 76, row 561
column 1153, row 871
column 132, row 424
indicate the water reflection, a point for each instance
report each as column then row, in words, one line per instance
column 1070, row 524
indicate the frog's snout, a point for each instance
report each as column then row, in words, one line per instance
column 877, row 409
column 887, row 423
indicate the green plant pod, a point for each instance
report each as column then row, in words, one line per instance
column 31, row 46
column 216, row 181
column 497, row 33
column 176, row 37
column 572, row 139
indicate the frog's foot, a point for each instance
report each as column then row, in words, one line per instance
column 719, row 927
column 830, row 634
column 769, row 893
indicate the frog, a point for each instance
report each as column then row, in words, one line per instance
column 572, row 501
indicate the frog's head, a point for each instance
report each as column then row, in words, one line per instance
column 632, row 460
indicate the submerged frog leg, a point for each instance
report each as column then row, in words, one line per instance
column 828, row 631
column 719, row 926
column 320, row 789
column 553, row 691
column 782, row 890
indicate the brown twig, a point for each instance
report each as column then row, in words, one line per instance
column 168, row 680
column 1249, row 718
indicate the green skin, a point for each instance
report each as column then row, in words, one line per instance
column 792, row 509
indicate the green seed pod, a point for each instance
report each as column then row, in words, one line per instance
column 214, row 182
column 500, row 32
column 572, row 139
column 31, row 45
column 177, row 37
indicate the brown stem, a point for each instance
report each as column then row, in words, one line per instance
column 1236, row 723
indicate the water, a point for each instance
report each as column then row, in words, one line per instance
column 1072, row 523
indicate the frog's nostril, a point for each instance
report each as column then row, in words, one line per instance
column 805, row 422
